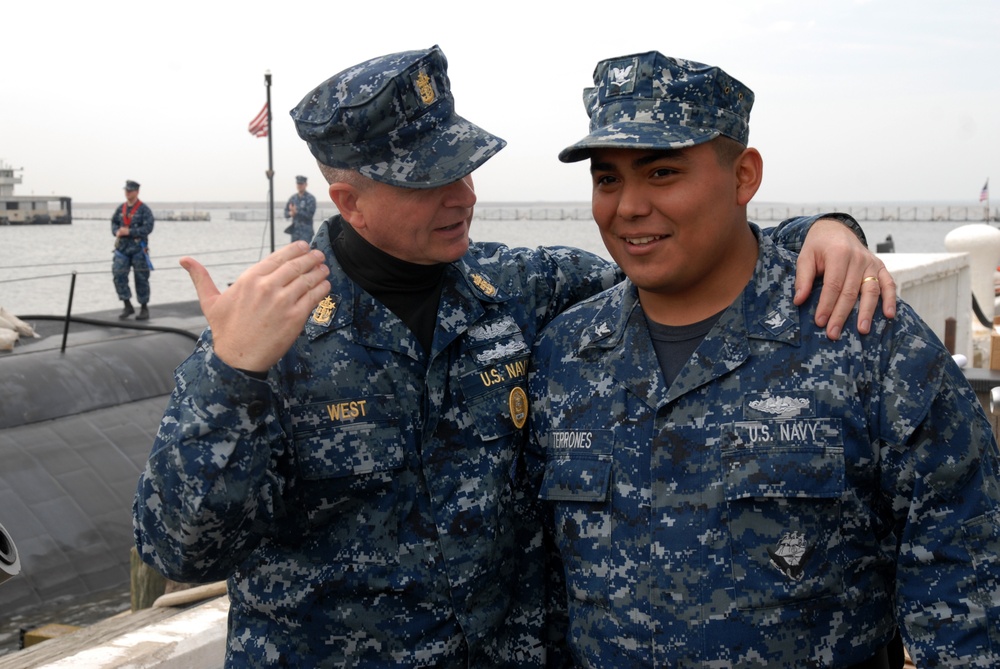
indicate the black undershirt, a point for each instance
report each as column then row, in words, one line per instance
column 408, row 290
column 675, row 344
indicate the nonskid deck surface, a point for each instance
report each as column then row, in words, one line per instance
column 76, row 427
column 103, row 326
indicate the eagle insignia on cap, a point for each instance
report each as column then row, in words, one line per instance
column 425, row 88
column 620, row 75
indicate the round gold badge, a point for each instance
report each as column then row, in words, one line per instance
column 518, row 402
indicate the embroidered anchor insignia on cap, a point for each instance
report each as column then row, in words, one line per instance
column 323, row 313
column 425, row 88
column 791, row 555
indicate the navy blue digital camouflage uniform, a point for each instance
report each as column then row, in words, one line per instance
column 362, row 501
column 366, row 502
column 302, row 223
column 130, row 251
column 784, row 502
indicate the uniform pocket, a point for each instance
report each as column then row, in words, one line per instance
column 494, row 377
column 783, row 483
column 580, row 481
column 577, row 479
column 349, row 453
column 981, row 538
column 347, row 436
column 496, row 398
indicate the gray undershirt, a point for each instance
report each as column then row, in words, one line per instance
column 675, row 344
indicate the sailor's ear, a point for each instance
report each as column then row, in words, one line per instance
column 749, row 168
column 345, row 197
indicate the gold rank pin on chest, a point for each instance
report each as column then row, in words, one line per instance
column 483, row 284
column 323, row 313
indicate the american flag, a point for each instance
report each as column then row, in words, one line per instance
column 985, row 193
column 259, row 124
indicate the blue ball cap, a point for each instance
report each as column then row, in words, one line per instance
column 301, row 179
column 393, row 120
column 651, row 101
column 131, row 185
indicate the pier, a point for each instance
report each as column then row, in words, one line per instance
column 767, row 212
column 755, row 212
column 879, row 212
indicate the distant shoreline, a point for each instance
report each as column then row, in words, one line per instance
column 930, row 211
column 187, row 204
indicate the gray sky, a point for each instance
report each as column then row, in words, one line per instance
column 857, row 100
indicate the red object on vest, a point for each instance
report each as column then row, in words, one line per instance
column 127, row 217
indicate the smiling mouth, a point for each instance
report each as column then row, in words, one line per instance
column 642, row 241
column 450, row 228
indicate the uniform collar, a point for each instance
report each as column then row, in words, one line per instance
column 764, row 310
column 467, row 287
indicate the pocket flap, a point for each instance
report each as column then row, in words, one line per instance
column 577, row 479
column 347, row 438
column 784, row 471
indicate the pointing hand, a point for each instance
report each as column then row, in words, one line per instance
column 256, row 320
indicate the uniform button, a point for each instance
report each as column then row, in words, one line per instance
column 255, row 409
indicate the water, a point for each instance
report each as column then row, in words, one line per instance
column 38, row 262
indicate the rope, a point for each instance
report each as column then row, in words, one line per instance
column 126, row 325
column 980, row 315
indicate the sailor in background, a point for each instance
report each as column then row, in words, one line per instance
column 131, row 224
column 301, row 207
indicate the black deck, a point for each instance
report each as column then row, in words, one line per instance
column 76, row 427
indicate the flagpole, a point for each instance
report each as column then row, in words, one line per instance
column 270, row 160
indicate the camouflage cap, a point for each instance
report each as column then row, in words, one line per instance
column 131, row 185
column 301, row 179
column 393, row 120
column 651, row 101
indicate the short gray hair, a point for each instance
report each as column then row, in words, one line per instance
column 343, row 175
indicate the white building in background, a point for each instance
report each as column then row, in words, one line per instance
column 30, row 209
